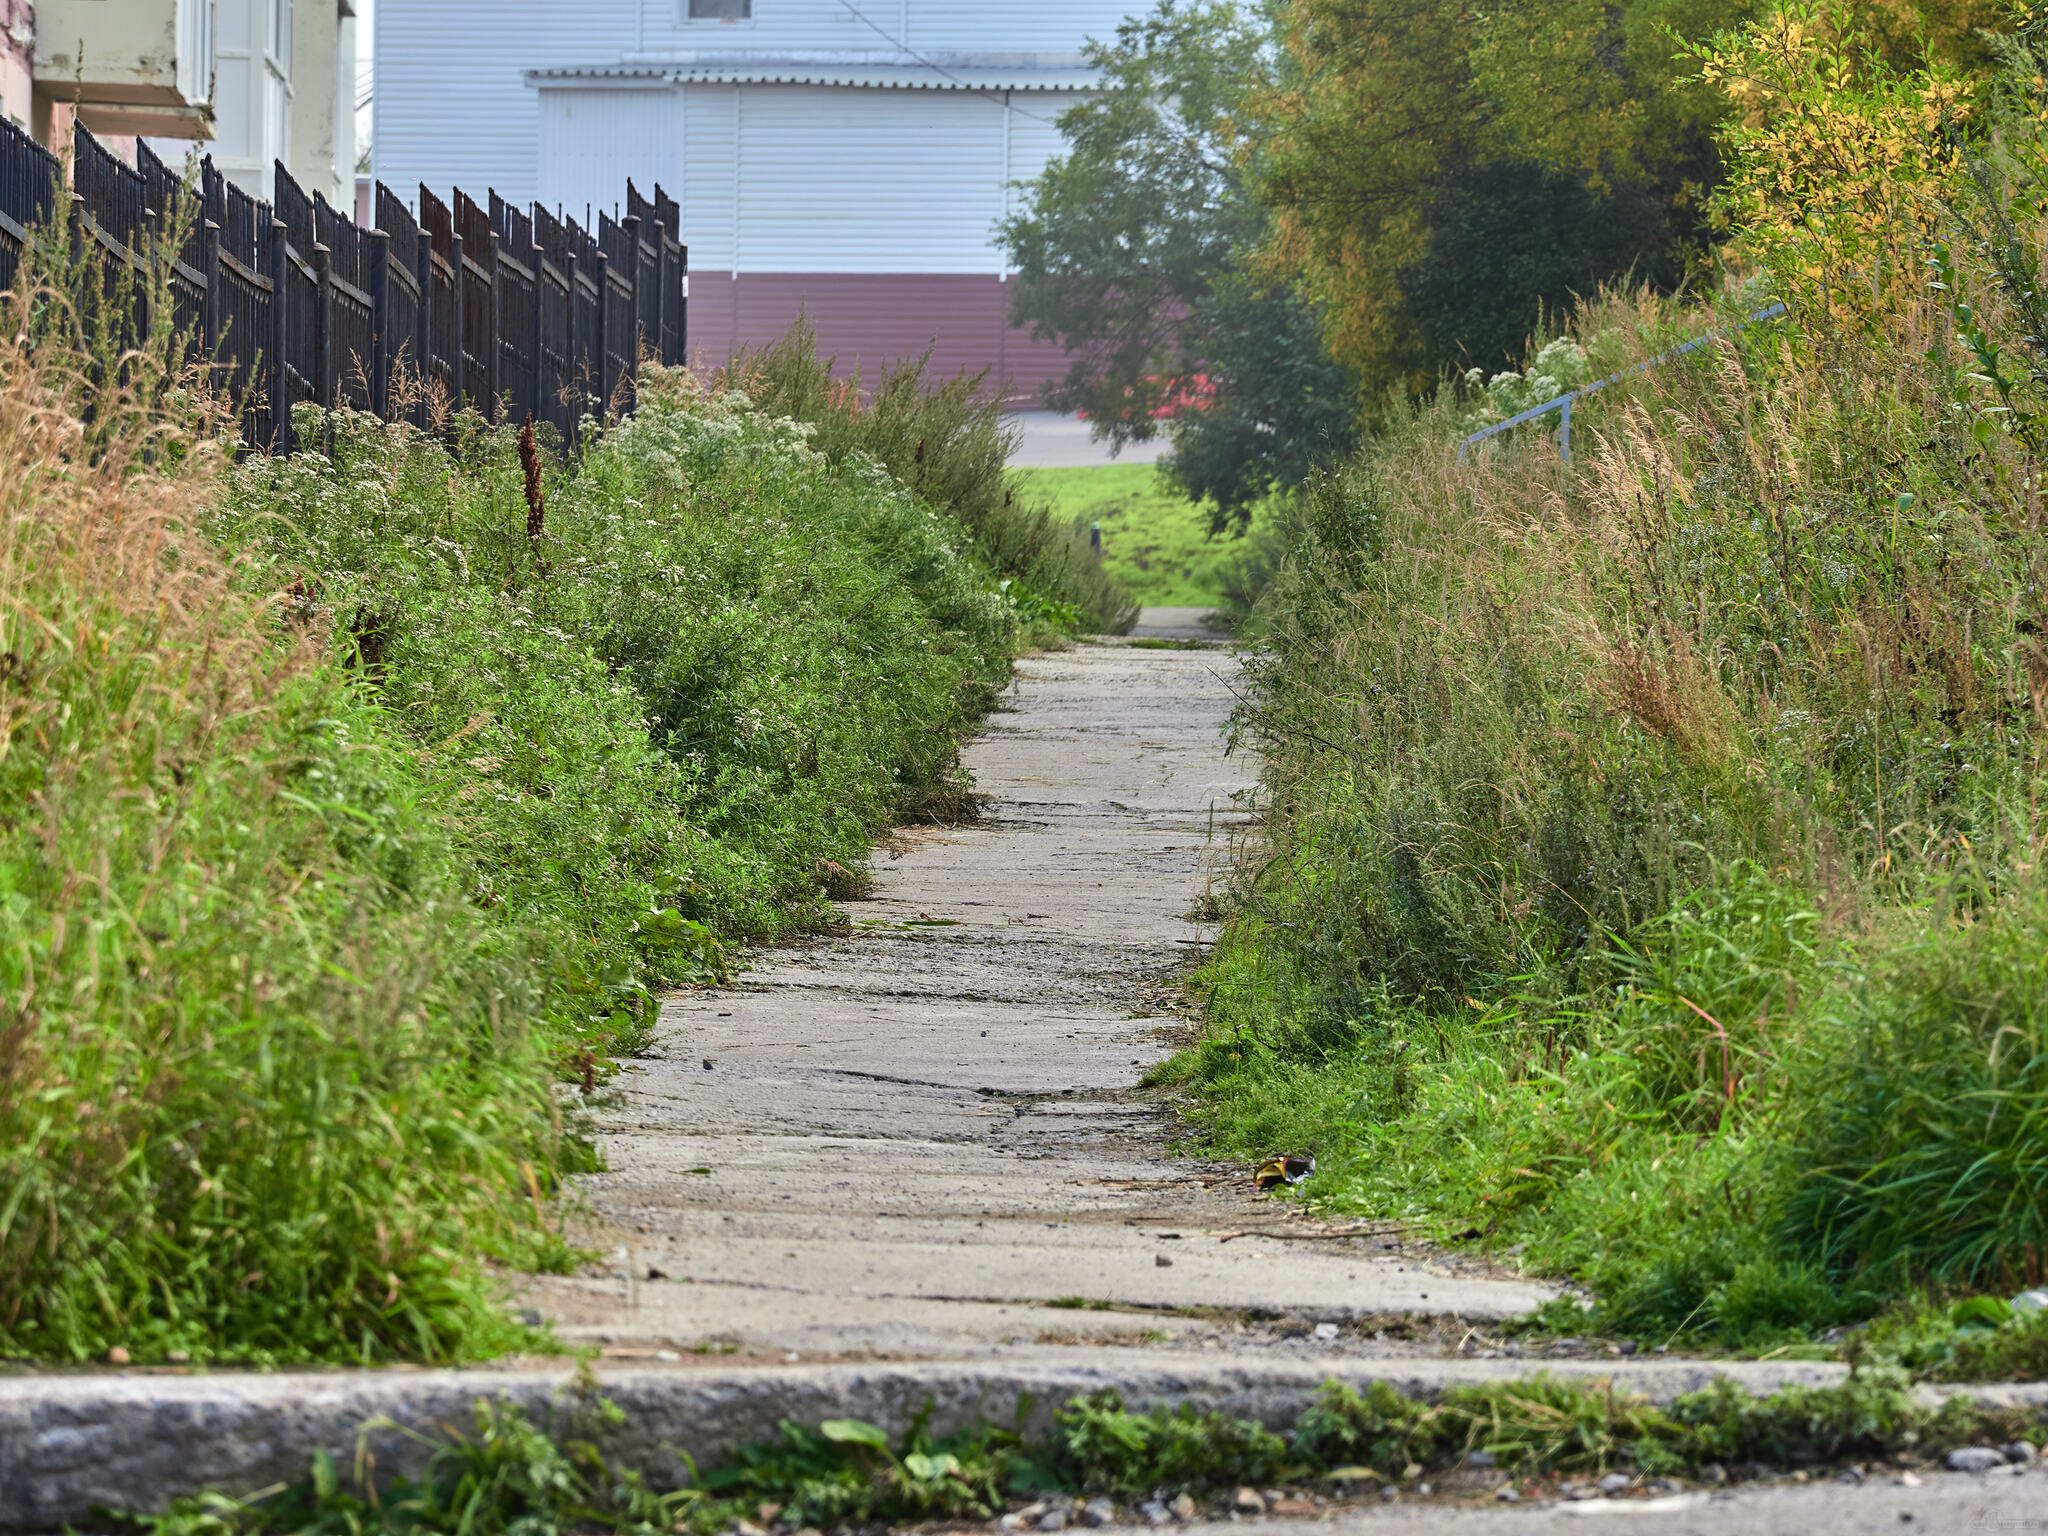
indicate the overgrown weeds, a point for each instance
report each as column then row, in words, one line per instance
column 948, row 442
column 1652, row 875
column 353, row 805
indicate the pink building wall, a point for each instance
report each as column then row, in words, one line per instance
column 870, row 320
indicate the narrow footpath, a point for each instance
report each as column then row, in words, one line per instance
column 929, row 1138
column 915, row 1171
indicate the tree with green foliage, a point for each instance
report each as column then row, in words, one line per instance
column 1136, row 249
column 1441, row 175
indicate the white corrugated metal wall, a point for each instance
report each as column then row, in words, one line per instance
column 830, row 178
column 452, row 104
column 452, row 107
column 592, row 141
column 850, row 180
column 710, row 193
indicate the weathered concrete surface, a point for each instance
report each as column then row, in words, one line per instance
column 915, row 1139
column 134, row 1439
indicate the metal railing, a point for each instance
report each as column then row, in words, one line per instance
column 1564, row 401
column 488, row 306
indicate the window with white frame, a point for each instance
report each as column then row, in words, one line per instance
column 718, row 10
column 279, row 43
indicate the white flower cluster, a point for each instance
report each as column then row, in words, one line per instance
column 1562, row 366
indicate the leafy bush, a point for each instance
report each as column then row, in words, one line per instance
column 353, row 797
column 705, row 671
column 949, row 444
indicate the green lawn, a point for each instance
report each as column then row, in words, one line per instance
column 1154, row 541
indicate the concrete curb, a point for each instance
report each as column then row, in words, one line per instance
column 136, row 1440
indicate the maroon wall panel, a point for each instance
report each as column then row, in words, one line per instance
column 869, row 320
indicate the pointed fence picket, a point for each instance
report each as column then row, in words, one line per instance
column 501, row 309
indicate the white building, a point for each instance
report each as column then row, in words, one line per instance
column 250, row 82
column 846, row 157
column 285, row 90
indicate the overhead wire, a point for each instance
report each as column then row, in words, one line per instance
column 901, row 46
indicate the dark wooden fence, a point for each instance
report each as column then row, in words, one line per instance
column 508, row 312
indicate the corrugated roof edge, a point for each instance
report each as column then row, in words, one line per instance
column 970, row 72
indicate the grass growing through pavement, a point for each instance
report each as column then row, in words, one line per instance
column 513, row 1474
column 1155, row 542
column 1652, row 883
column 353, row 804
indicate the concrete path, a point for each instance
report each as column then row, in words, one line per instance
column 929, row 1138
column 1939, row 1503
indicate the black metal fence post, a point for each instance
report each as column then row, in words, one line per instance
column 423, row 351
column 572, row 396
column 458, row 362
column 605, row 301
column 636, row 275
column 280, row 402
column 380, row 309
column 326, row 366
column 494, row 367
column 210, row 305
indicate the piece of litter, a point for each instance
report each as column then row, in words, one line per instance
column 1291, row 1168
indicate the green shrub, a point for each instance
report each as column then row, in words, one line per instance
column 352, row 798
column 719, row 665
column 949, row 444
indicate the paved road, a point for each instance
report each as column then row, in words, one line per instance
column 1052, row 440
column 1944, row 1504
column 923, row 1138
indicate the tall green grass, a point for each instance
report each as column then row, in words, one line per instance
column 1652, row 872
column 354, row 805
column 947, row 441
column 270, row 1084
